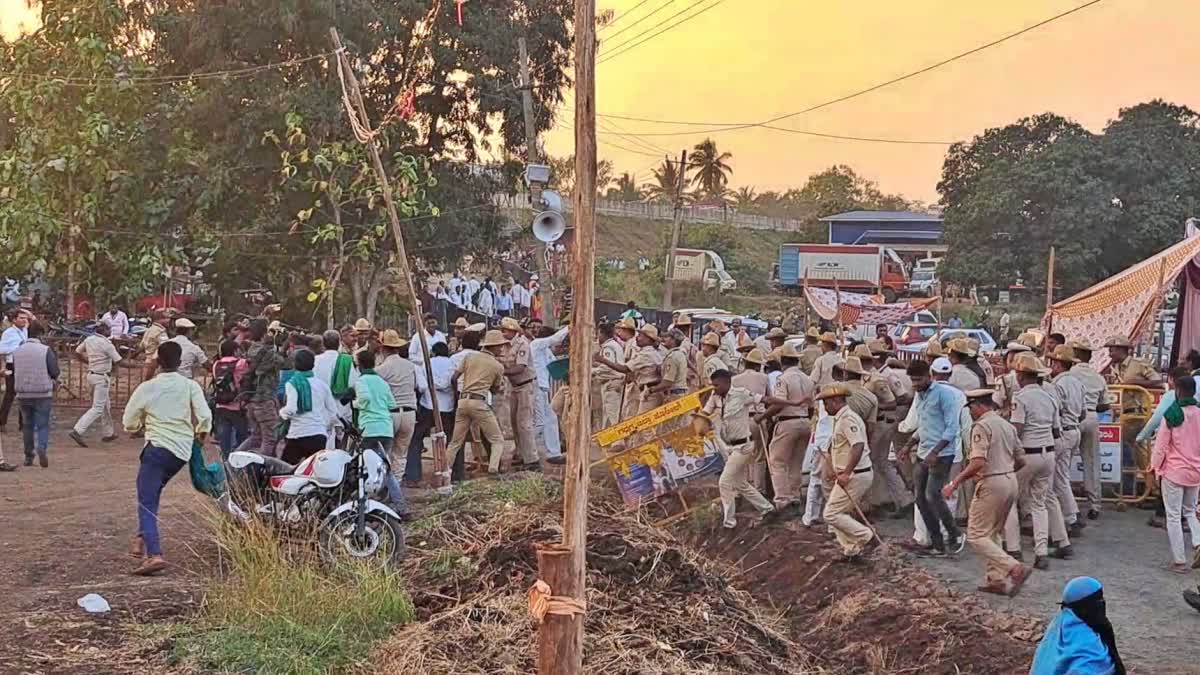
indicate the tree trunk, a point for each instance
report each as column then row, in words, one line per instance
column 358, row 289
column 379, row 281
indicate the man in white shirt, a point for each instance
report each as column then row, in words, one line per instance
column 117, row 322
column 308, row 425
column 14, row 336
column 98, row 352
column 545, row 421
column 484, row 303
column 432, row 336
column 472, row 285
column 324, row 366
column 194, row 358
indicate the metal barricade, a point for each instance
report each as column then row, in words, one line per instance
column 1131, row 407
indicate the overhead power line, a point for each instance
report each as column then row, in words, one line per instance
column 633, row 42
column 861, row 92
column 152, row 80
column 643, row 18
column 622, row 15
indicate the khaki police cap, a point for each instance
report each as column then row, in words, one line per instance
column 1027, row 363
column 362, row 326
column 391, row 338
column 981, row 395
column 650, row 331
column 1063, row 353
column 788, row 351
column 1016, row 346
column 461, row 322
column 1114, row 341
column 493, row 338
column 718, row 325
column 878, row 347
column 509, row 323
column 853, row 364
column 683, row 320
column 776, row 333
column 755, row 356
column 627, row 324
column 833, row 391
column 863, row 352
column 711, row 339
column 813, row 332
column 934, row 347
column 829, row 337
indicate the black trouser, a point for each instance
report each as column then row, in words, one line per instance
column 412, row 470
column 10, row 394
column 932, row 505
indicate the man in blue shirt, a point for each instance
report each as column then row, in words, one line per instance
column 937, row 431
column 14, row 336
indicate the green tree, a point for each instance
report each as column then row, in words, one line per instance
column 745, row 198
column 665, row 187
column 710, row 169
column 626, row 189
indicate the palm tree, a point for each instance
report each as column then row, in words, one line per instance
column 666, row 183
column 744, row 198
column 626, row 189
column 711, row 168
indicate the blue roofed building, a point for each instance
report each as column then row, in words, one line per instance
column 911, row 235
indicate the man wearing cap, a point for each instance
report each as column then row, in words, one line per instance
column 155, row 335
column 672, row 383
column 861, row 399
column 454, row 342
column 1035, row 417
column 709, row 346
column 641, row 367
column 822, row 370
column 847, row 466
column 888, row 483
column 683, row 323
column 962, row 356
column 522, row 384
column 729, row 408
column 938, row 429
column 729, row 344
column 1070, row 395
column 762, row 343
column 727, row 348
column 541, row 353
column 790, row 405
column 933, row 350
column 611, row 381
column 626, row 332
column 1095, row 400
column 994, row 458
column 1006, row 386
column 812, row 347
column 1124, row 369
column 364, row 336
column 432, row 335
column 98, row 352
column 194, row 357
column 753, row 380
column 260, row 385
column 479, row 376
column 401, row 377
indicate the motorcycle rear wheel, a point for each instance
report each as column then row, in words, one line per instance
column 382, row 539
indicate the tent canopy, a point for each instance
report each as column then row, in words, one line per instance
column 857, row 308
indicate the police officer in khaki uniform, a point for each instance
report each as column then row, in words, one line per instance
column 1125, row 369
column 790, row 405
column 479, row 375
column 683, row 323
column 611, row 381
column 626, row 331
column 1006, row 386
column 822, row 370
column 1095, row 400
column 729, row 408
column 1035, row 418
column 521, row 381
column 861, row 399
column 709, row 346
column 753, row 380
column 993, row 461
column 154, row 336
column 726, row 347
column 454, row 342
column 847, row 466
column 934, row 350
column 888, row 485
column 672, row 384
column 641, row 367
column 1070, row 395
column 812, row 348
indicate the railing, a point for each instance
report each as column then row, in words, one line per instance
column 657, row 211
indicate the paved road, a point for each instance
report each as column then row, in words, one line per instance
column 1156, row 631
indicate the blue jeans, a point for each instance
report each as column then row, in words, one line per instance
column 36, row 412
column 158, row 466
column 230, row 429
column 927, row 484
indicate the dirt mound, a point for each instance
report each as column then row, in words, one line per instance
column 654, row 606
column 885, row 616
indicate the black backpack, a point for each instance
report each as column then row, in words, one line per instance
column 224, row 389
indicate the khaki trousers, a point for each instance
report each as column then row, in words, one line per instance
column 995, row 497
column 888, row 485
column 610, row 395
column 1065, row 449
column 1089, row 451
column 404, row 423
column 646, row 403
column 733, row 483
column 785, row 459
column 520, row 409
column 100, row 409
column 840, row 512
column 1033, row 496
column 472, row 415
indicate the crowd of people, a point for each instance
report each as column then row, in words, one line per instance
column 494, row 300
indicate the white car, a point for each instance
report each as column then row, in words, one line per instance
column 986, row 342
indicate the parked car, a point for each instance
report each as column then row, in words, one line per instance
column 986, row 342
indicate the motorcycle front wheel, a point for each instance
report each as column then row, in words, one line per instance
column 381, row 538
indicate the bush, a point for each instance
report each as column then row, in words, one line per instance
column 279, row 609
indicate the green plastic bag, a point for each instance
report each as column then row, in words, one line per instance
column 206, row 478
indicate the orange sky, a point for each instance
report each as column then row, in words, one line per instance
column 748, row 60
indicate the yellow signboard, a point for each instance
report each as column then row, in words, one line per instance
column 650, row 418
column 684, row 441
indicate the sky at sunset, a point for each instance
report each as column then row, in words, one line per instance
column 750, row 60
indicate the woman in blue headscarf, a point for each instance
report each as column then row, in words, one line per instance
column 1080, row 640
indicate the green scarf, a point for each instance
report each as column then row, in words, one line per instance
column 300, row 381
column 341, row 374
column 1174, row 414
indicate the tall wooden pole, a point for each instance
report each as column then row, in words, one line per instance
column 668, row 287
column 560, row 641
column 532, row 156
column 1050, row 293
column 439, row 441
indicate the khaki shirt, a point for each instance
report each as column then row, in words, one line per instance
column 862, row 402
column 963, row 379
column 675, row 370
column 808, row 357
column 1034, row 408
column 480, row 373
column 614, row 351
column 1005, row 391
column 154, row 336
column 1094, row 387
column 900, row 382
column 711, row 365
column 877, row 384
column 100, row 353
column 754, row 382
column 519, row 355
column 848, row 431
column 1070, row 394
column 1132, row 369
column 822, row 370
column 644, row 362
column 731, row 414
column 694, row 361
column 994, row 441
column 794, row 385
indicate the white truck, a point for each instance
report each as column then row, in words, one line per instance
column 693, row 265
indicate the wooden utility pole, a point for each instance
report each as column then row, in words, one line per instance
column 668, row 287
column 532, row 156
column 1050, row 293
column 355, row 94
column 563, row 567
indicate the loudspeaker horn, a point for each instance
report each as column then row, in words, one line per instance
column 548, row 226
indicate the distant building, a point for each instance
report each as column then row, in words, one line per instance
column 912, row 235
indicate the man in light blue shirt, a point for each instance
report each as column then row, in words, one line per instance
column 14, row 336
column 937, row 429
column 504, row 303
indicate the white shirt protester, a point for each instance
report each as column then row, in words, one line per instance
column 414, row 345
column 118, row 324
column 316, row 422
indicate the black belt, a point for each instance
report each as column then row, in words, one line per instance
column 677, row 390
column 473, row 397
column 998, row 473
column 738, row 441
column 92, row 372
column 522, row 384
column 1038, row 451
column 1070, row 428
column 792, row 417
column 405, row 408
column 881, row 418
column 857, row 471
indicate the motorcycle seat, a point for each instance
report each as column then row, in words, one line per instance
column 277, row 467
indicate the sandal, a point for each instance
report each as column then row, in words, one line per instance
column 151, row 566
column 1180, row 568
column 5, row 466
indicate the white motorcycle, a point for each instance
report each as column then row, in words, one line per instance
column 336, row 489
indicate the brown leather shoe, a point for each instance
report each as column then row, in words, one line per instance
column 995, row 587
column 151, row 566
column 1018, row 575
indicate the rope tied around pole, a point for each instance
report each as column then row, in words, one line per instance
column 543, row 602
